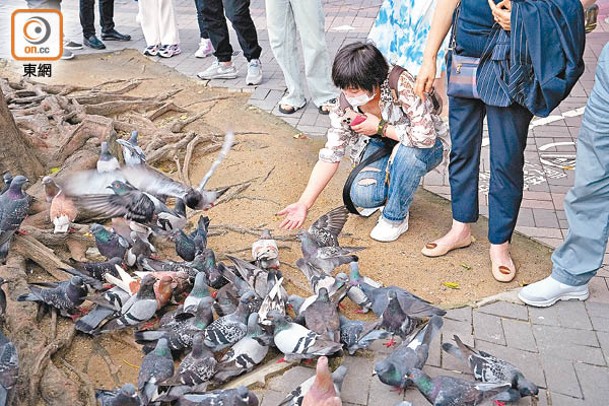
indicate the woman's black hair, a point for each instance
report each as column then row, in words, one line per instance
column 359, row 65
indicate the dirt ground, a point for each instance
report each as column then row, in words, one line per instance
column 279, row 160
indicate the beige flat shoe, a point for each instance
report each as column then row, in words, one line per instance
column 503, row 273
column 433, row 250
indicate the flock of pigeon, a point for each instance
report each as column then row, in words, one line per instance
column 220, row 319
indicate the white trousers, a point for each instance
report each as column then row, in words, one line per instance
column 158, row 21
column 283, row 18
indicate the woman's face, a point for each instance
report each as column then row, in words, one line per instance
column 358, row 97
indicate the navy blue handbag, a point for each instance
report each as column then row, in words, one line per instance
column 462, row 70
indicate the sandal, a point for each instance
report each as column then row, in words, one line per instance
column 432, row 249
column 326, row 107
column 289, row 109
column 503, row 273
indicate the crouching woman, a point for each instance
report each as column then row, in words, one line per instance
column 393, row 137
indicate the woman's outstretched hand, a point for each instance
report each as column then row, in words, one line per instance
column 295, row 215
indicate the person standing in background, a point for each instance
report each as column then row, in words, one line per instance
column 205, row 47
column 160, row 28
column 106, row 20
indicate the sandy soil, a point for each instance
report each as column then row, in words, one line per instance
column 279, row 161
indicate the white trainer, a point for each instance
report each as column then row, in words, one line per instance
column 218, row 70
column 254, row 72
column 385, row 231
column 205, row 48
column 548, row 291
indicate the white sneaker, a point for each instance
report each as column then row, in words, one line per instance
column 218, row 70
column 254, row 72
column 548, row 291
column 167, row 51
column 385, row 231
column 205, row 48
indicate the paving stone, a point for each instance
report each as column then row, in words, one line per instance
column 600, row 310
column 594, row 382
column 460, row 314
column 603, row 338
column 434, row 357
column 461, row 328
column 357, row 381
column 576, row 345
column 518, row 334
column 528, row 362
column 505, row 309
column 381, row 394
column 573, row 314
column 544, row 316
column 290, row 379
column 561, row 400
column 271, row 398
column 560, row 377
column 488, row 328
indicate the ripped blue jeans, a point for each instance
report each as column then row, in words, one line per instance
column 409, row 165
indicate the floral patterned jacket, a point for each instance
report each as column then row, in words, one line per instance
column 414, row 123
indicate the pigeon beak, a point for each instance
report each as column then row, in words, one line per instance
column 88, row 234
column 373, row 373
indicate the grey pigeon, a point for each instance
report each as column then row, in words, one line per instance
column 322, row 317
column 257, row 278
column 108, row 304
column 448, row 391
column 138, row 309
column 106, row 162
column 240, row 396
column 64, row 296
column 197, row 367
column 490, row 369
column 395, row 320
column 357, row 335
column 231, row 328
column 336, row 290
column 298, row 342
column 322, row 374
column 9, row 369
column 14, row 205
column 139, row 250
column 179, row 328
column 110, row 244
column 169, row 220
column 2, row 300
column 7, row 178
column 320, row 247
column 227, row 300
column 127, row 201
column 411, row 353
column 157, row 366
column 126, row 395
column 355, row 293
column 199, row 235
column 276, row 299
column 265, row 251
column 199, row 291
column 185, row 246
column 245, row 354
column 132, row 152
column 97, row 269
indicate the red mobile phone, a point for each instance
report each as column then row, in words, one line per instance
column 358, row 120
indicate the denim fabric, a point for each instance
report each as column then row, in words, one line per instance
column 409, row 164
column 238, row 13
column 508, row 128
column 576, row 261
column 474, row 26
column 87, row 16
column 285, row 20
column 200, row 20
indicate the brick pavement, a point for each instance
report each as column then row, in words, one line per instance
column 564, row 349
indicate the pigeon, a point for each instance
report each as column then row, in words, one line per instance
column 199, row 236
column 490, row 369
column 126, row 395
column 105, row 305
column 265, row 251
column 411, row 304
column 185, row 246
column 227, row 300
column 14, row 205
column 179, row 329
column 7, row 178
column 110, row 244
column 170, row 220
column 64, row 296
column 322, row 317
column 411, row 353
column 157, row 367
column 395, row 320
column 199, row 291
column 97, row 270
column 240, row 396
column 357, row 335
column 324, row 258
column 448, row 391
column 276, row 300
column 132, row 152
column 2, row 299
column 106, row 162
column 298, row 342
column 231, row 328
column 256, row 278
column 9, row 369
column 245, row 354
column 326, row 228
column 139, row 250
column 138, row 309
column 197, row 367
column 63, row 211
column 355, row 293
column 319, row 387
column 126, row 201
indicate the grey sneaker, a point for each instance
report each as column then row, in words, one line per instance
column 254, row 72
column 67, row 54
column 218, row 70
column 71, row 45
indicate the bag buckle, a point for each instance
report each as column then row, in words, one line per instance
column 458, row 70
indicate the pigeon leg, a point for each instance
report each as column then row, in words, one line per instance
column 148, row 325
column 498, row 403
column 390, row 343
column 281, row 360
column 21, row 232
column 341, row 306
column 361, row 311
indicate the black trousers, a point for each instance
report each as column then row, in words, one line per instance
column 87, row 16
column 238, row 12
